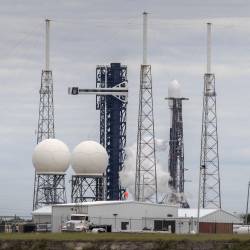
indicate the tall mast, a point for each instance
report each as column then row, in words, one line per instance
column 48, row 188
column 209, row 47
column 209, row 187
column 47, row 45
column 145, row 37
column 146, row 177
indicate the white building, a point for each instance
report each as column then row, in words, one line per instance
column 120, row 215
column 136, row 216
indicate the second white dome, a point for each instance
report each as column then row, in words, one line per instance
column 89, row 158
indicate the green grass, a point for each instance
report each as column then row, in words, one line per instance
column 121, row 237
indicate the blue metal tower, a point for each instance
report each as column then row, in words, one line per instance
column 113, row 114
column 111, row 99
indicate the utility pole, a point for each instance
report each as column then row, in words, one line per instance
column 246, row 221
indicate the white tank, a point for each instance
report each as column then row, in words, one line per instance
column 174, row 91
column 51, row 156
column 89, row 158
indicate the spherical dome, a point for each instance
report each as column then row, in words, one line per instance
column 89, row 158
column 51, row 156
column 174, row 89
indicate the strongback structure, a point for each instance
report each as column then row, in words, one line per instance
column 111, row 99
column 113, row 119
column 176, row 153
column 209, row 187
column 145, row 179
column 48, row 188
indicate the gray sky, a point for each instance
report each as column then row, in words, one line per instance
column 87, row 33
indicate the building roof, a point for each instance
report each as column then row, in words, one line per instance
column 99, row 203
column 46, row 210
column 193, row 212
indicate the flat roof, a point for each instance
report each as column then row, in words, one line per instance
column 47, row 210
column 99, row 203
column 193, row 212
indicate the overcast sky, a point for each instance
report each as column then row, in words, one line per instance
column 87, row 33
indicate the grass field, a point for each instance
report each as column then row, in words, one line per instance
column 121, row 237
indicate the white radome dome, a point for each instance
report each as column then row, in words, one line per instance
column 51, row 156
column 89, row 158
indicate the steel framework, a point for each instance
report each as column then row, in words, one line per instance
column 48, row 188
column 87, row 188
column 145, row 176
column 146, row 179
column 209, row 183
column 113, row 119
column 209, row 161
column 46, row 123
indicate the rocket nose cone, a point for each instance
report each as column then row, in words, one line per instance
column 174, row 89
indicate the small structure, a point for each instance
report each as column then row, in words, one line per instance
column 210, row 221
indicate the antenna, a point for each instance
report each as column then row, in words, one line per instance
column 145, row 37
column 209, row 47
column 47, row 45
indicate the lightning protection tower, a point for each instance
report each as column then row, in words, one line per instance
column 176, row 146
column 48, row 188
column 209, row 184
column 145, row 179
